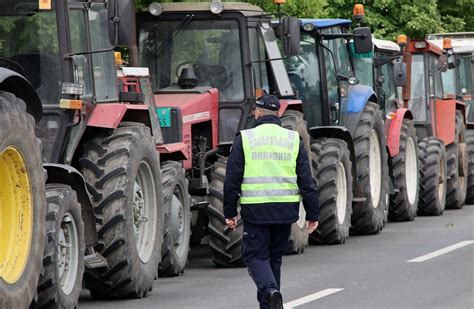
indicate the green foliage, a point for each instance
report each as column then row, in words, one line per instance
column 387, row 18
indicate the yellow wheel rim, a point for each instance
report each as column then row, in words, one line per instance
column 16, row 215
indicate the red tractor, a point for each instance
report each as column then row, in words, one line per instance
column 440, row 125
column 208, row 64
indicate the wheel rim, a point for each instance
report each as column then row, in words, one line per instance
column 375, row 168
column 68, row 253
column 411, row 171
column 341, row 200
column 441, row 180
column 178, row 221
column 144, row 212
column 16, row 215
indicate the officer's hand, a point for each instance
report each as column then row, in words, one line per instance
column 312, row 225
column 232, row 223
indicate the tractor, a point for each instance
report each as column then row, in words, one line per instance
column 209, row 63
column 102, row 206
column 459, row 80
column 383, row 68
column 22, row 184
column 347, row 129
column 440, row 126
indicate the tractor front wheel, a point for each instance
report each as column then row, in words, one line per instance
column 122, row 172
column 61, row 282
column 226, row 244
column 332, row 169
column 369, row 217
column 293, row 120
column 175, row 248
column 432, row 177
column 470, row 167
column 404, row 203
column 456, row 185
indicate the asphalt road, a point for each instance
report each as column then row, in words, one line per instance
column 366, row 272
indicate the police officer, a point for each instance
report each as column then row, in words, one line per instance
column 268, row 170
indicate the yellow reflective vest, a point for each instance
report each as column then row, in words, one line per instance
column 270, row 165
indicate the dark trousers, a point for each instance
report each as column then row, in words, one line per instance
column 263, row 249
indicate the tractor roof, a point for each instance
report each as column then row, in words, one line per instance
column 463, row 42
column 326, row 23
column 386, row 45
column 423, row 48
column 246, row 9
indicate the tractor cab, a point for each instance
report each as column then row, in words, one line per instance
column 324, row 89
column 425, row 84
column 383, row 69
column 192, row 48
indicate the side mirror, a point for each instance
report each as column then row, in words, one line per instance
column 399, row 73
column 291, row 35
column 443, row 63
column 363, row 40
column 121, row 15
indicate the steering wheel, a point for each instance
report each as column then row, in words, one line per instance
column 217, row 75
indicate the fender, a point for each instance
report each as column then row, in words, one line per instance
column 343, row 134
column 290, row 104
column 13, row 82
column 68, row 175
column 357, row 97
column 446, row 119
column 110, row 115
column 394, row 126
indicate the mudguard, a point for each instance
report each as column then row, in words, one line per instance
column 110, row 115
column 357, row 97
column 393, row 128
column 353, row 105
column 68, row 175
column 15, row 83
column 446, row 118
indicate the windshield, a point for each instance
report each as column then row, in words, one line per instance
column 417, row 88
column 364, row 70
column 29, row 46
column 305, row 79
column 211, row 48
column 449, row 82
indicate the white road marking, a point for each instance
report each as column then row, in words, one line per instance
column 441, row 251
column 310, row 298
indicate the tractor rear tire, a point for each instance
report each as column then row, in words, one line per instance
column 404, row 203
column 332, row 168
column 175, row 248
column 61, row 282
column 470, row 167
column 433, row 177
column 372, row 172
column 123, row 175
column 456, row 185
column 298, row 241
column 226, row 244
column 22, row 204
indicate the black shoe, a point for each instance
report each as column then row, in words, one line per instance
column 274, row 299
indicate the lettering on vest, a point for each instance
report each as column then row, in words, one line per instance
column 271, row 141
column 276, row 156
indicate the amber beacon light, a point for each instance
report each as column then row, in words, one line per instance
column 358, row 12
column 402, row 40
column 447, row 44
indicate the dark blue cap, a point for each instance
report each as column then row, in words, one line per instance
column 268, row 101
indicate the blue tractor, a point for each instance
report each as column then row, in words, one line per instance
column 349, row 155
